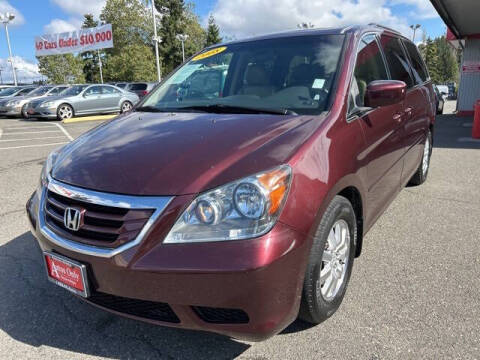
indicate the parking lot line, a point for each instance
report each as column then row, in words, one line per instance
column 31, row 132
column 31, row 146
column 29, row 127
column 65, row 132
column 89, row 118
column 37, row 138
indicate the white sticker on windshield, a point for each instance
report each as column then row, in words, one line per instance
column 318, row 84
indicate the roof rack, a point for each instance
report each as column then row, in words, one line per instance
column 384, row 27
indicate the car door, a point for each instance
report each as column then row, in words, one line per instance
column 90, row 101
column 382, row 129
column 111, row 98
column 419, row 104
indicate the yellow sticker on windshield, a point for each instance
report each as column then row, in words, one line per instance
column 209, row 53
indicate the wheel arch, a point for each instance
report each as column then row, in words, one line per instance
column 352, row 194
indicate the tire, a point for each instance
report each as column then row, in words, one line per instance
column 421, row 174
column 126, row 106
column 318, row 302
column 64, row 111
column 23, row 113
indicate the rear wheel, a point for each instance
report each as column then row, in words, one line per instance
column 422, row 172
column 330, row 262
column 64, row 112
column 126, row 106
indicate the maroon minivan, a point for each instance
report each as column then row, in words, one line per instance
column 236, row 195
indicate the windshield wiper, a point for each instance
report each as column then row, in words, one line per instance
column 232, row 109
column 150, row 109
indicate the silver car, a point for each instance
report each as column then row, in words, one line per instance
column 83, row 100
column 15, row 106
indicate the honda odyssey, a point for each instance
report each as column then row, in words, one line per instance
column 240, row 203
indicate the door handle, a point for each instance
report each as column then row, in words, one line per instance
column 397, row 117
column 408, row 111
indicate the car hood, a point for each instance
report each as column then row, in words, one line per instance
column 179, row 153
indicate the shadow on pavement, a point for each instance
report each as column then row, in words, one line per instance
column 454, row 132
column 37, row 313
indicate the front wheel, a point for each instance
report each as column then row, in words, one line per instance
column 64, row 112
column 126, row 106
column 330, row 262
column 24, row 111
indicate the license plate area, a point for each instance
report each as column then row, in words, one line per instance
column 66, row 273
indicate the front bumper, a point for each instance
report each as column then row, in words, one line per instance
column 248, row 289
column 41, row 112
column 10, row 110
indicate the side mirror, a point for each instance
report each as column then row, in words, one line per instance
column 385, row 92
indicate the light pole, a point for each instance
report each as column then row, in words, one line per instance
column 414, row 28
column 182, row 38
column 6, row 18
column 156, row 40
column 100, row 65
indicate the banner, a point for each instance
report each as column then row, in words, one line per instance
column 74, row 41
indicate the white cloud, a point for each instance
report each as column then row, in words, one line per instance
column 81, row 7
column 59, row 26
column 423, row 8
column 6, row 7
column 26, row 71
column 242, row 18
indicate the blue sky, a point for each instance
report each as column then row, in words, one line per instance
column 237, row 18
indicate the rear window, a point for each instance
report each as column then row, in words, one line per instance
column 138, row 87
column 396, row 60
column 418, row 67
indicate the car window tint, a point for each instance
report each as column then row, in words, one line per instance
column 369, row 67
column 396, row 60
column 109, row 90
column 138, row 87
column 418, row 66
column 94, row 90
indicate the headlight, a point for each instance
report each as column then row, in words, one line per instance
column 48, row 104
column 13, row 102
column 243, row 209
column 47, row 168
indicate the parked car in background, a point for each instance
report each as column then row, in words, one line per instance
column 83, row 100
column 17, row 106
column 444, row 90
column 440, row 100
column 16, row 91
column 121, row 85
column 242, row 207
column 140, row 88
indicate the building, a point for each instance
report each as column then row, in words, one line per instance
column 462, row 20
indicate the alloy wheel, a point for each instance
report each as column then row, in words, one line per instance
column 126, row 106
column 65, row 112
column 335, row 260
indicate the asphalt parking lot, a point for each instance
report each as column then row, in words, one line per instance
column 414, row 292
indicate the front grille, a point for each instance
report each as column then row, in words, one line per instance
column 221, row 315
column 150, row 310
column 105, row 226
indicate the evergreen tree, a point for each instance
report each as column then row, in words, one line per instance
column 213, row 32
column 90, row 58
column 172, row 24
column 431, row 60
column 447, row 61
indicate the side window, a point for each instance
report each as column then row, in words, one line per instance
column 369, row 67
column 93, row 90
column 418, row 67
column 396, row 60
column 109, row 90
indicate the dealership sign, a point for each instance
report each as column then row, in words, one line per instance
column 74, row 41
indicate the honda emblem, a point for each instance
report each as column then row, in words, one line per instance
column 73, row 218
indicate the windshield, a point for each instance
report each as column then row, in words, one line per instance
column 42, row 90
column 8, row 91
column 290, row 75
column 73, row 91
